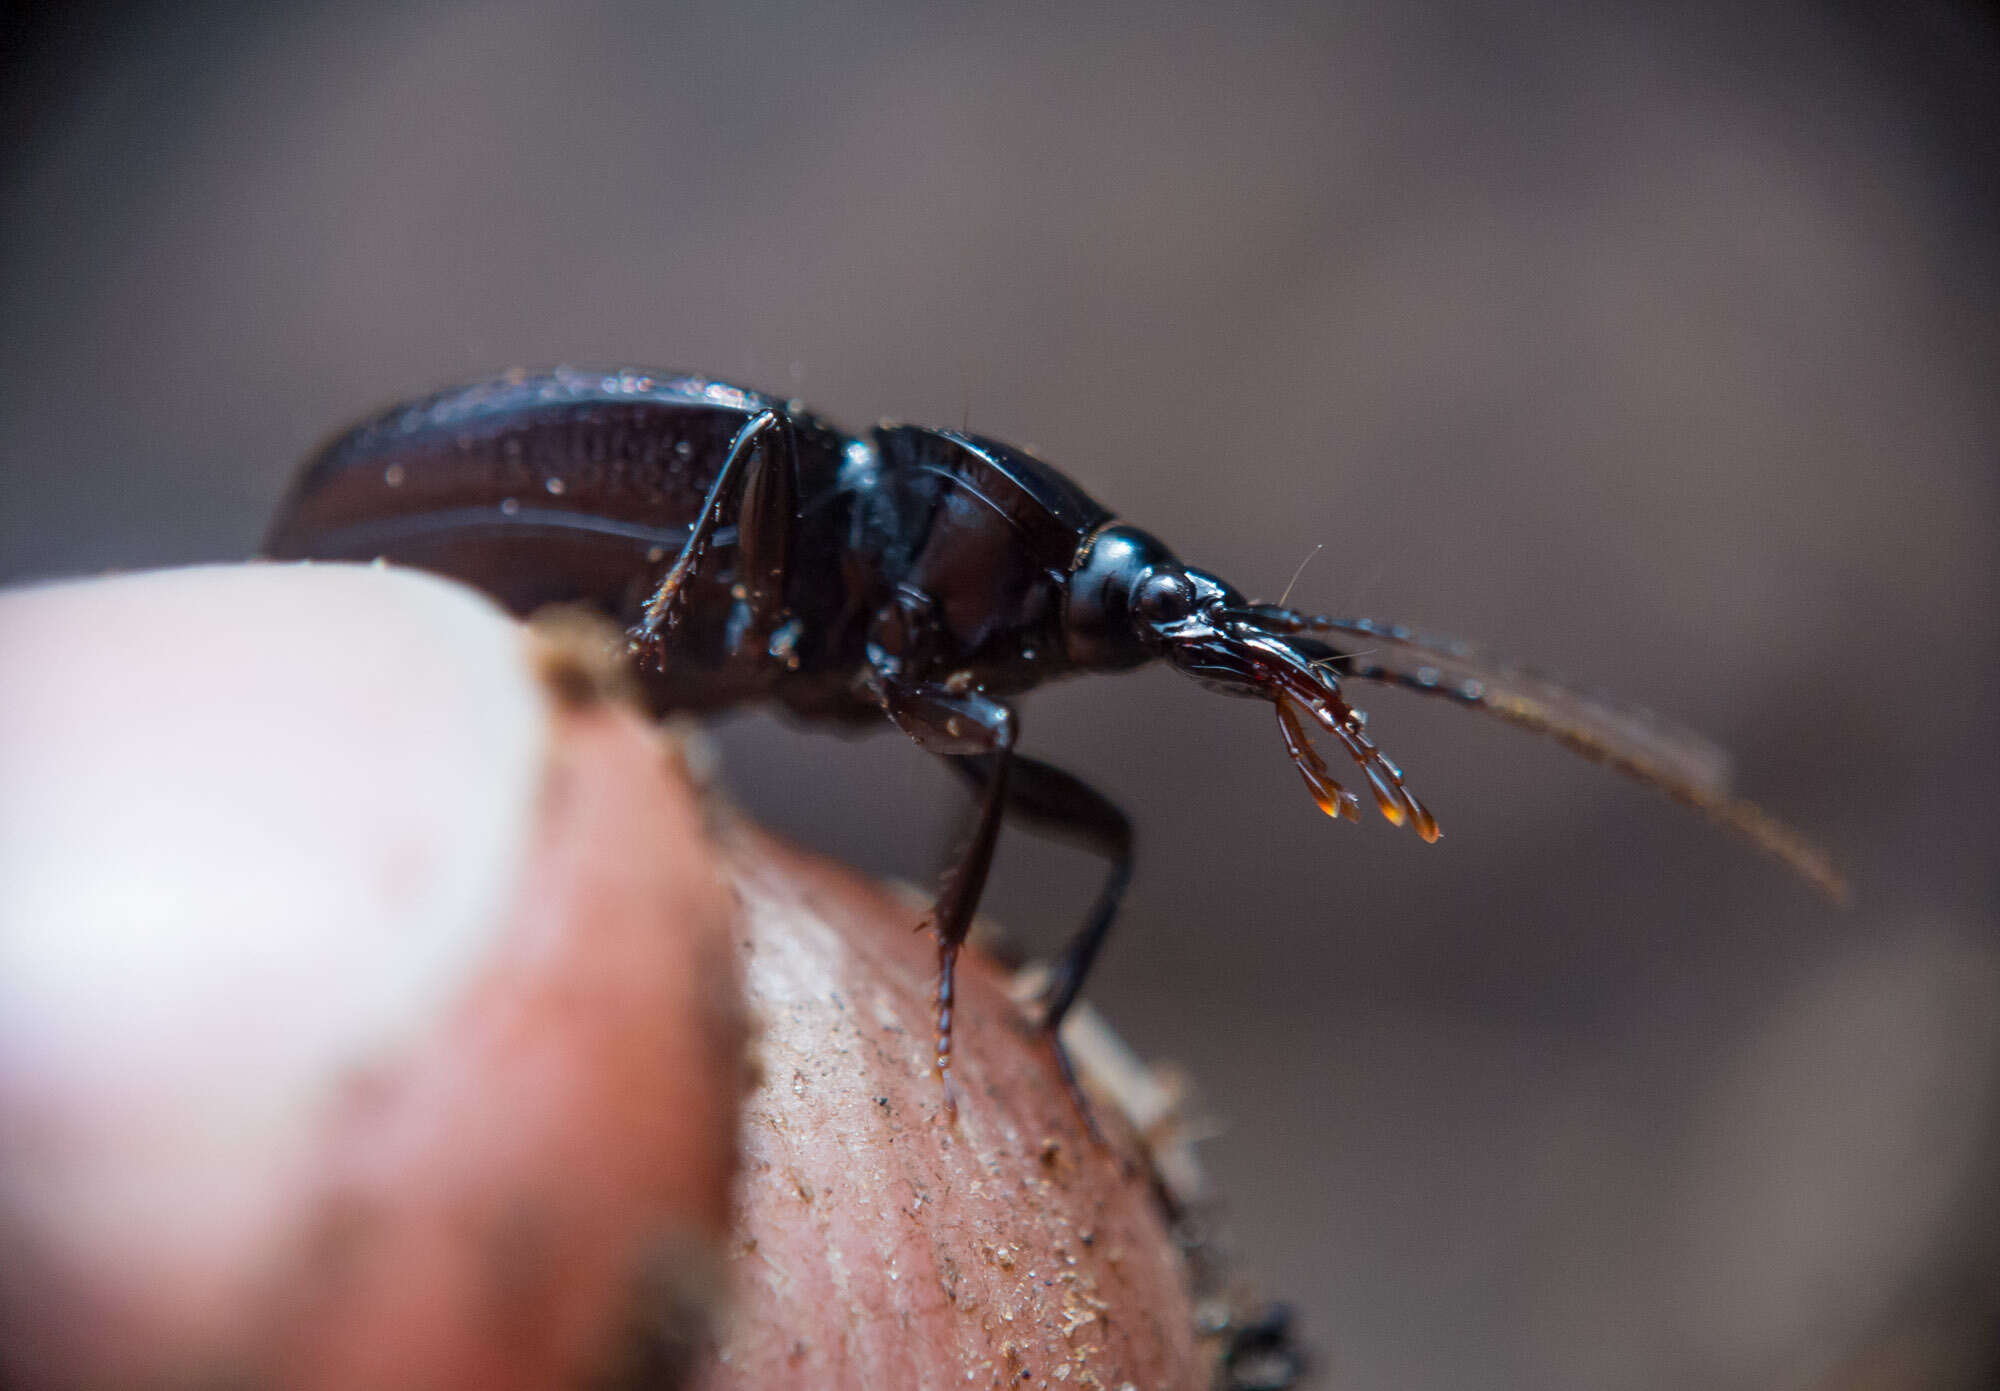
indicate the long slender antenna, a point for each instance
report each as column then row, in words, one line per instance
column 1300, row 571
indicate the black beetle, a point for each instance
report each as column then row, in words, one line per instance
column 757, row 553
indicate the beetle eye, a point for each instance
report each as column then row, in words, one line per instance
column 1163, row 597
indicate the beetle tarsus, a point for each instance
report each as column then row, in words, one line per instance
column 1067, row 1071
column 946, row 991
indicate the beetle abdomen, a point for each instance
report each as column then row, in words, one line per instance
column 568, row 485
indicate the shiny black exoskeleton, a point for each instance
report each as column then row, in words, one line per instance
column 756, row 553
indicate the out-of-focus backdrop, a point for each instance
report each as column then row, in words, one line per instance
column 1653, row 345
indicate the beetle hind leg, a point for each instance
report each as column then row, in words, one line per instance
column 758, row 482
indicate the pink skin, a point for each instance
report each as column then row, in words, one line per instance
column 885, row 1242
column 369, row 1015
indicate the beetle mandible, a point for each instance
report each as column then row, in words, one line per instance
column 754, row 552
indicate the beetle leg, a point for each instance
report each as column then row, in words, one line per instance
column 956, row 724
column 761, row 625
column 1050, row 801
column 761, row 469
column 1046, row 799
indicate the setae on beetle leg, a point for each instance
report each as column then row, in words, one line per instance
column 956, row 723
column 1053, row 803
column 763, row 445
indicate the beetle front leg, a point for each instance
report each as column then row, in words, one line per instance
column 955, row 724
column 1056, row 804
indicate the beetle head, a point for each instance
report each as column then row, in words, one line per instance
column 1131, row 600
column 1128, row 596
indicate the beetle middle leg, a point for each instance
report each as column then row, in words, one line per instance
column 1050, row 801
column 760, row 476
column 957, row 723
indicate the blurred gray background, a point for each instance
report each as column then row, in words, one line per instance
column 1656, row 346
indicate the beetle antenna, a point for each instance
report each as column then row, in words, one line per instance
column 1635, row 743
column 1300, row 571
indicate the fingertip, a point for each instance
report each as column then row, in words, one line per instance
column 337, row 955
